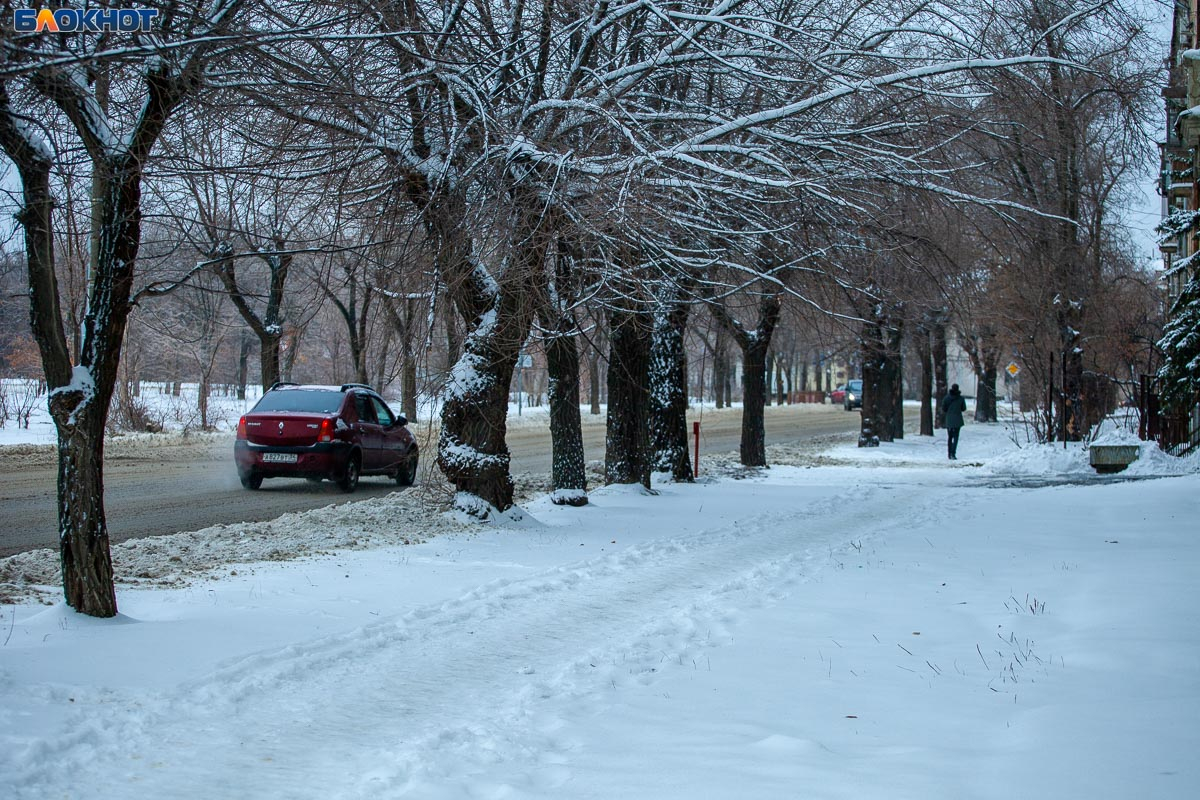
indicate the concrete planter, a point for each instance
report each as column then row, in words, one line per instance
column 1112, row 457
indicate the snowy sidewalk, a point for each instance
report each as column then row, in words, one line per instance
column 887, row 626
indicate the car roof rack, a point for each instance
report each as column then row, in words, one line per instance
column 279, row 384
column 346, row 386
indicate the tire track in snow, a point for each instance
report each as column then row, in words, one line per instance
column 448, row 690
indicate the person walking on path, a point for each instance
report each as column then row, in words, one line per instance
column 955, row 405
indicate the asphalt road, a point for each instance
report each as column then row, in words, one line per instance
column 162, row 490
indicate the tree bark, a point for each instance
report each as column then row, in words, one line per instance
column 472, row 452
column 594, row 382
column 627, row 444
column 669, row 393
column 940, row 371
column 881, row 376
column 925, row 354
column 268, row 326
column 755, row 346
column 568, row 467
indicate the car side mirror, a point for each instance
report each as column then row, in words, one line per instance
column 401, row 420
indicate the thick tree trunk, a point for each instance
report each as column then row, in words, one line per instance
column 755, row 346
column 881, row 377
column 87, row 571
column 985, row 404
column 668, row 394
column 269, row 359
column 753, row 447
column 79, row 414
column 1074, row 424
column 627, row 444
column 568, row 466
column 471, row 449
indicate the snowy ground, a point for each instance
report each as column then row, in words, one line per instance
column 858, row 624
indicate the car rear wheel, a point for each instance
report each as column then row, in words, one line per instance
column 348, row 482
column 251, row 480
column 406, row 474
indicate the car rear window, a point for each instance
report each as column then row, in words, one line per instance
column 310, row 400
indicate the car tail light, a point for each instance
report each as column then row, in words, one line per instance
column 326, row 432
column 241, row 433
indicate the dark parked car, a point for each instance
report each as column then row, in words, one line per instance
column 838, row 395
column 853, row 395
column 319, row 432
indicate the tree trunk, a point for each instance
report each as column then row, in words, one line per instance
column 627, row 444
column 780, row 394
column 668, row 394
column 202, row 401
column 753, row 447
column 594, row 382
column 881, row 376
column 896, row 355
column 408, row 387
column 269, row 359
column 87, row 571
column 925, row 354
column 719, row 369
column 243, row 373
column 471, row 449
column 940, row 372
column 985, row 403
column 568, row 464
column 755, row 346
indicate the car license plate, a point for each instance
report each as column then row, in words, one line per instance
column 279, row 458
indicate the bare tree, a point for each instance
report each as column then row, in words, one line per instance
column 157, row 74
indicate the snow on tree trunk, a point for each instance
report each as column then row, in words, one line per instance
column 627, row 443
column 669, row 394
column 87, row 571
column 568, row 467
column 472, row 452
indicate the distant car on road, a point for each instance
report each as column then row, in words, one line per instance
column 853, row 395
column 323, row 432
column 838, row 395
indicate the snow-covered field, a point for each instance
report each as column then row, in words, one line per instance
column 859, row 624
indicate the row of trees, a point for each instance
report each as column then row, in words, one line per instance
column 491, row 170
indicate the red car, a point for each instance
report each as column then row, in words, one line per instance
column 838, row 395
column 319, row 432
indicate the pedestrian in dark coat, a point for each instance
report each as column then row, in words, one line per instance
column 954, row 405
